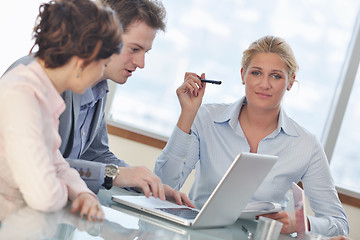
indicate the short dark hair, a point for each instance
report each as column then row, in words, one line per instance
column 68, row 28
column 151, row 12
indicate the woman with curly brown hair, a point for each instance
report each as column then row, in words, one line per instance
column 75, row 39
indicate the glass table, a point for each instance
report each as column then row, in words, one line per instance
column 120, row 223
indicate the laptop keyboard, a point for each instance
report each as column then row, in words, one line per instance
column 186, row 213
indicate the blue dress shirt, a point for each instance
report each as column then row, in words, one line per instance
column 215, row 140
column 87, row 108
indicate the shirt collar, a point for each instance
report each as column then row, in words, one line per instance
column 285, row 123
column 92, row 95
column 231, row 115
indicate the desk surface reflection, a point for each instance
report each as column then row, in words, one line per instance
column 120, row 223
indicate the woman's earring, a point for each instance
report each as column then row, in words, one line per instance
column 78, row 73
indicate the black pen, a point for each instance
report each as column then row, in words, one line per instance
column 211, row 81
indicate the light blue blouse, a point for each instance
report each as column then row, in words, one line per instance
column 217, row 138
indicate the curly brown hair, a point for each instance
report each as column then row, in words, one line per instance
column 68, row 28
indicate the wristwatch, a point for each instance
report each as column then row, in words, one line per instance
column 111, row 171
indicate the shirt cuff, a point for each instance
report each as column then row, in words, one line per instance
column 93, row 173
column 76, row 187
column 321, row 226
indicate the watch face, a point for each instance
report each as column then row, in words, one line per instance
column 114, row 171
column 111, row 170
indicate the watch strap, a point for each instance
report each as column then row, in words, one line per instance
column 108, row 182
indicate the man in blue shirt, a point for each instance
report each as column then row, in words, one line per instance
column 82, row 126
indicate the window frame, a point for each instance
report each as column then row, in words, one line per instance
column 339, row 105
column 343, row 92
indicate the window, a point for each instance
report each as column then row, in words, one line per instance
column 345, row 162
column 210, row 36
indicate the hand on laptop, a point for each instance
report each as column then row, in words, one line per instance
column 143, row 179
column 140, row 177
column 177, row 197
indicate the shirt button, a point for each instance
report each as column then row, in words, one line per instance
column 83, row 133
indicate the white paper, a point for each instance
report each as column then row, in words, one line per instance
column 254, row 209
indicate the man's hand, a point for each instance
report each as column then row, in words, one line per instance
column 140, row 177
column 177, row 197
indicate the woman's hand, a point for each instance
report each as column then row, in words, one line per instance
column 89, row 206
column 190, row 95
column 340, row 238
column 287, row 218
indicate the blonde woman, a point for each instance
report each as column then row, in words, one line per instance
column 208, row 138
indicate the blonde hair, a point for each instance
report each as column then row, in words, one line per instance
column 271, row 44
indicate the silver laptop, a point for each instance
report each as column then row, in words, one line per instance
column 224, row 205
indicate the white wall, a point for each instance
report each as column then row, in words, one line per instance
column 16, row 26
column 138, row 154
